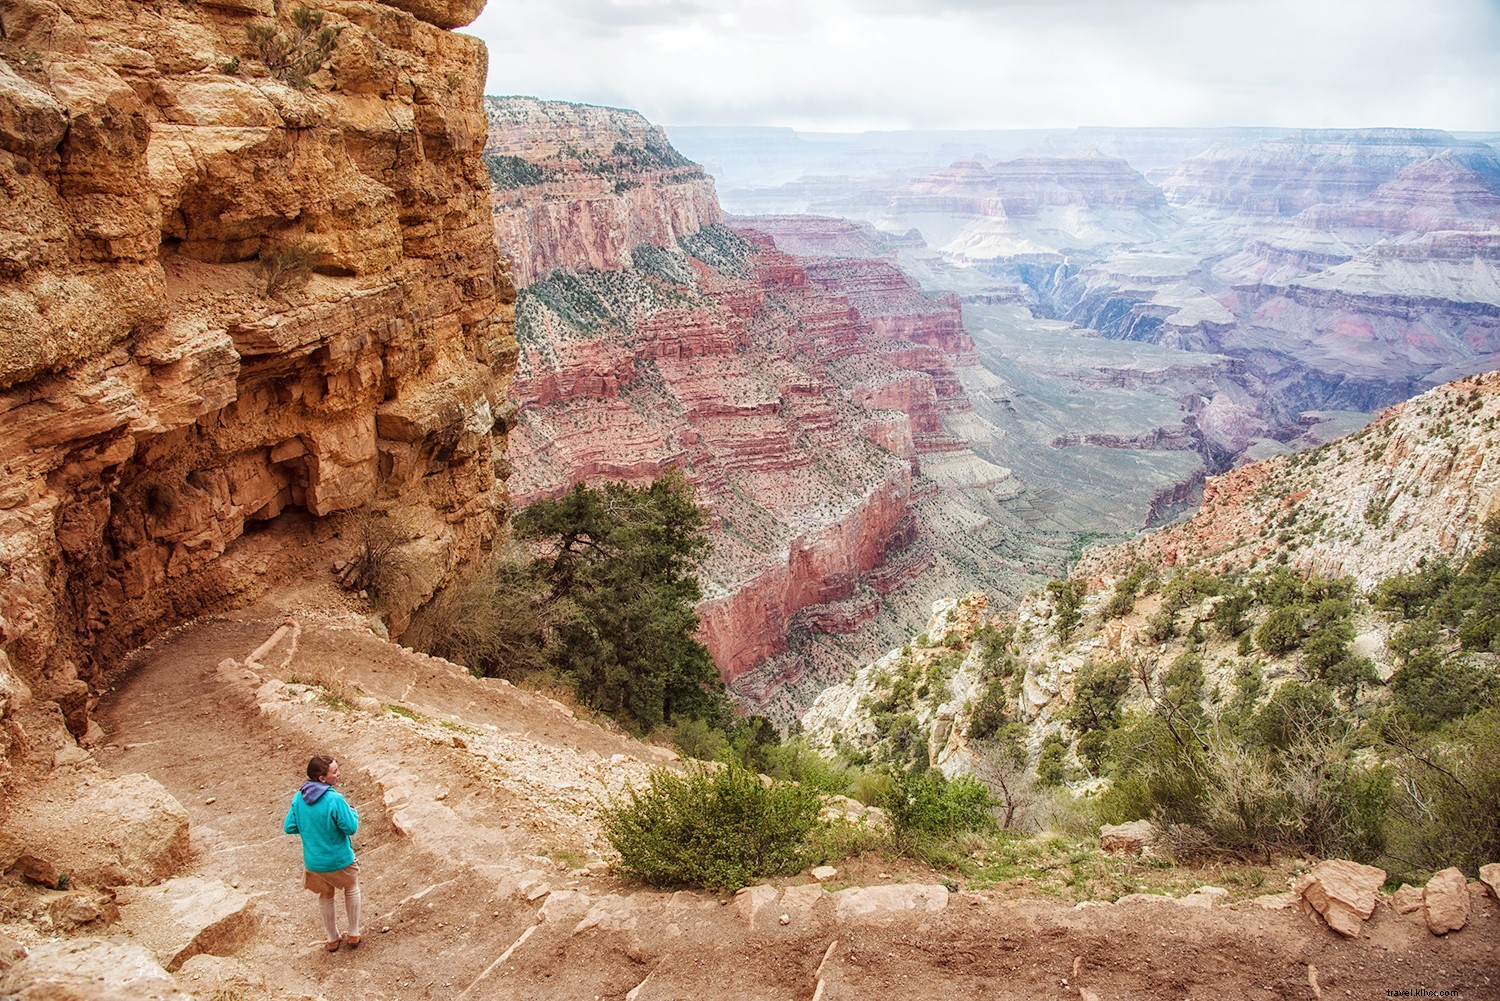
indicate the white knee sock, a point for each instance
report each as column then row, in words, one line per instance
column 351, row 908
column 330, row 923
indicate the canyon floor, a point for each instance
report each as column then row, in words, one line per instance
column 484, row 873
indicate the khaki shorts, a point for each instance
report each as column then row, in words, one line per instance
column 324, row 883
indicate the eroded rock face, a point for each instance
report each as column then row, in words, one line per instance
column 1416, row 481
column 162, row 387
column 579, row 186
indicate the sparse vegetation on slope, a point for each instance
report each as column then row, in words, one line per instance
column 1251, row 709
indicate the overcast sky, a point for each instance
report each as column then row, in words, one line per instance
column 851, row 65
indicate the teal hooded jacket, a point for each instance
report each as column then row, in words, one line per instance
column 325, row 821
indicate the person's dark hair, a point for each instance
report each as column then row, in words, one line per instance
column 318, row 767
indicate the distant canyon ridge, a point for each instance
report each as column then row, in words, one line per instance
column 899, row 372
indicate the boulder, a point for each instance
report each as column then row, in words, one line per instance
column 1445, row 902
column 1489, row 875
column 564, row 907
column 866, row 903
column 611, row 913
column 1205, row 896
column 1343, row 892
column 1407, row 899
column 86, row 828
column 185, row 917
column 1136, row 836
column 756, row 905
column 68, row 910
column 801, row 902
column 89, row 969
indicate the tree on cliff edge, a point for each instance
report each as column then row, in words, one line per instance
column 627, row 558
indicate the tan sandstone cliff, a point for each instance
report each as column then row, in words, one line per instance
column 163, row 389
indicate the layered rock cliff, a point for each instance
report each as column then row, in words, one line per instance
column 807, row 398
column 248, row 285
column 578, row 186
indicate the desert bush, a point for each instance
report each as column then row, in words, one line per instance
column 1447, row 810
column 1281, row 632
column 1160, row 627
column 718, row 828
column 1157, row 772
column 795, row 760
column 501, row 622
column 286, row 266
column 1430, row 689
column 1051, row 763
column 294, row 53
column 872, row 787
column 696, row 738
column 1067, row 603
column 379, row 563
column 927, row 804
column 992, row 711
column 1098, row 690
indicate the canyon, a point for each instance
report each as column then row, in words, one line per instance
column 1063, row 346
column 1339, row 271
column 802, row 397
column 283, row 296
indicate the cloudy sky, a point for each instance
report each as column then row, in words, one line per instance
column 910, row 64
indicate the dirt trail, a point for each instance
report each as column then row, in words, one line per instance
column 471, row 794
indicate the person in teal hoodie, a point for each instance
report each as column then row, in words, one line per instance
column 326, row 822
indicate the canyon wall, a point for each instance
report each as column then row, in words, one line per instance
column 243, row 294
column 800, row 395
column 578, row 186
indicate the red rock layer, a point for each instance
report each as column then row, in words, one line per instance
column 798, row 395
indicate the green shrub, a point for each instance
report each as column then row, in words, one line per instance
column 714, row 828
column 1430, row 690
column 992, row 711
column 1051, row 763
column 294, row 53
column 1067, row 602
column 925, row 803
column 699, row 739
column 795, row 760
column 1281, row 632
column 1449, row 809
column 1157, row 773
column 1098, row 690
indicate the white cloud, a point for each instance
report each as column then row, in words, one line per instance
column 843, row 64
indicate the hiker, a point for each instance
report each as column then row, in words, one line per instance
column 325, row 821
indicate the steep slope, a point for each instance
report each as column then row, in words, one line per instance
column 243, row 293
column 578, row 186
column 1415, row 487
